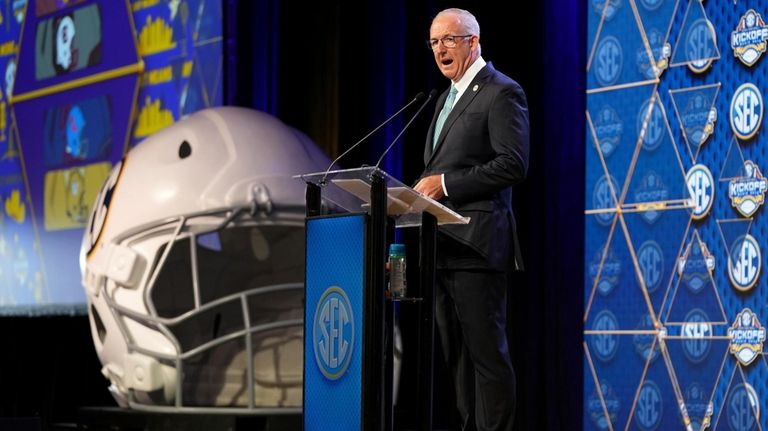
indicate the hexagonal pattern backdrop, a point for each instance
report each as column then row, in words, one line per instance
column 675, row 295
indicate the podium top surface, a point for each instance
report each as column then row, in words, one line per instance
column 350, row 190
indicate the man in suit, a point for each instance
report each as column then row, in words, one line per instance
column 477, row 149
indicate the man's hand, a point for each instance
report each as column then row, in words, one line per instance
column 431, row 186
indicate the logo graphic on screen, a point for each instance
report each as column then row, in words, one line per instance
column 15, row 207
column 605, row 346
column 10, row 75
column 608, row 128
column 607, row 8
column 153, row 117
column 68, row 42
column 654, row 129
column 602, row 199
column 694, row 331
column 697, row 406
column 743, row 408
column 651, row 189
column 75, row 124
column 155, row 36
column 746, row 111
column 748, row 41
column 696, row 267
column 595, row 407
column 701, row 186
column 609, row 59
column 644, row 341
column 103, row 200
column 609, row 271
column 699, row 47
column 698, row 119
column 747, row 193
column 649, row 409
column 651, row 260
column 747, row 336
column 652, row 68
column 77, row 132
column 333, row 334
column 651, row 4
column 744, row 262
column 69, row 193
column 76, row 208
column 65, row 35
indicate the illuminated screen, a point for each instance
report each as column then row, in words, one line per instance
column 82, row 82
column 78, row 131
column 68, row 42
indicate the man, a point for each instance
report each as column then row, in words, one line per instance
column 477, row 148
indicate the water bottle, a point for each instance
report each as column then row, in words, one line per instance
column 397, row 270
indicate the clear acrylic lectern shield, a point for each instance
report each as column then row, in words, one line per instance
column 349, row 190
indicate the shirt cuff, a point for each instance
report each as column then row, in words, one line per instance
column 442, row 182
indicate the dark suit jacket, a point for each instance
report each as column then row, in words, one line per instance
column 483, row 151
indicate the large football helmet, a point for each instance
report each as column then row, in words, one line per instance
column 193, row 265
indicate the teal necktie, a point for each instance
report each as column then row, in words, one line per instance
column 444, row 114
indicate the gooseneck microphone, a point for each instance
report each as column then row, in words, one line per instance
column 419, row 97
column 423, row 105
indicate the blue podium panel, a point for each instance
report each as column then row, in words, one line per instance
column 333, row 322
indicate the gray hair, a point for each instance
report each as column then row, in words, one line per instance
column 468, row 21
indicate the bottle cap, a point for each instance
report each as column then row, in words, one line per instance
column 397, row 249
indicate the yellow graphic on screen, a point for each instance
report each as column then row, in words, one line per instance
column 7, row 48
column 152, row 118
column 156, row 36
column 14, row 207
column 3, row 120
column 144, row 4
column 69, row 194
column 10, row 151
column 158, row 76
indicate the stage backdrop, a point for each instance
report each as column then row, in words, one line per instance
column 675, row 295
column 84, row 80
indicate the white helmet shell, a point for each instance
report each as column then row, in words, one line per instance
column 192, row 262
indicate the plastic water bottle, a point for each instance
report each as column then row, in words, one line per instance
column 397, row 281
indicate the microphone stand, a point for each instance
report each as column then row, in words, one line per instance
column 418, row 97
column 431, row 95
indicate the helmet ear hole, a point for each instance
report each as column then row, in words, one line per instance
column 185, row 150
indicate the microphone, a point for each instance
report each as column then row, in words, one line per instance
column 419, row 97
column 431, row 95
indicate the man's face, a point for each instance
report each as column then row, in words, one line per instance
column 452, row 62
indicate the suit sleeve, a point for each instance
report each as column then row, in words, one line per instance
column 509, row 140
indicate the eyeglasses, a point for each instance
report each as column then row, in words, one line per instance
column 448, row 41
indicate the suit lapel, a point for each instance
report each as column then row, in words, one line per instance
column 475, row 87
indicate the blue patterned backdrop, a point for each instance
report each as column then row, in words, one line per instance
column 675, row 295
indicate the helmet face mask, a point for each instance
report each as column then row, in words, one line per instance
column 197, row 300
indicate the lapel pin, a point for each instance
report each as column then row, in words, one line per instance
column 475, row 87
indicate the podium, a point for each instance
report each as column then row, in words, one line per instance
column 348, row 318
